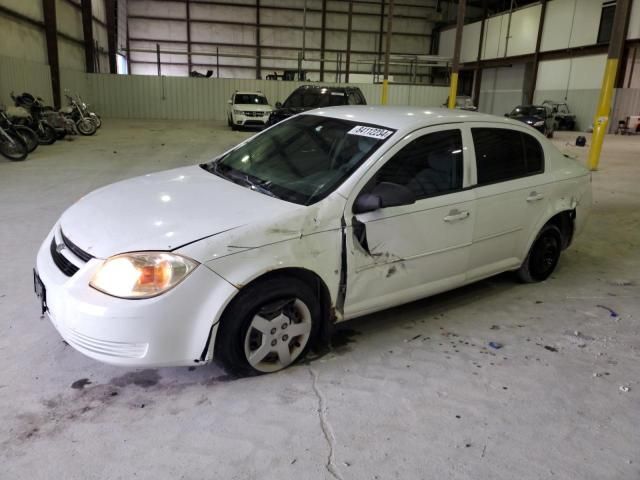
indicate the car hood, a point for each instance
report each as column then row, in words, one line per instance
column 252, row 107
column 163, row 211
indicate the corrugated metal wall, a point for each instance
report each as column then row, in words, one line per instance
column 182, row 98
column 627, row 103
column 20, row 75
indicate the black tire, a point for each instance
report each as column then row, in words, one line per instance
column 60, row 134
column 46, row 134
column 543, row 255
column 278, row 300
column 86, row 127
column 28, row 136
column 14, row 148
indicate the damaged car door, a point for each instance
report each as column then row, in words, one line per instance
column 410, row 222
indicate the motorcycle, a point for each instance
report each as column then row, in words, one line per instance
column 34, row 117
column 11, row 145
column 94, row 117
column 74, row 111
column 28, row 136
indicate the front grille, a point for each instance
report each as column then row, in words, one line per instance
column 78, row 252
column 253, row 114
column 65, row 266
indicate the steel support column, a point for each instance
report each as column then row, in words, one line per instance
column 258, row 50
column 536, row 55
column 349, row 24
column 87, row 31
column 323, row 30
column 477, row 74
column 51, row 35
column 112, row 34
column 455, row 67
column 188, row 17
column 385, row 82
column 616, row 47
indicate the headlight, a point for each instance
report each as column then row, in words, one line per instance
column 237, row 112
column 141, row 275
column 538, row 124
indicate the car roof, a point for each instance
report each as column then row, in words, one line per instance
column 249, row 93
column 400, row 118
column 327, row 87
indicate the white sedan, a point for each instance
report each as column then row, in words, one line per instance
column 327, row 216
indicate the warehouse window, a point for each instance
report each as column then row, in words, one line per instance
column 430, row 165
column 606, row 23
column 503, row 154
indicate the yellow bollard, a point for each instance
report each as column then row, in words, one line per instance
column 601, row 120
column 453, row 90
column 385, row 91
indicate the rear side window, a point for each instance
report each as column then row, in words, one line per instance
column 430, row 165
column 503, row 154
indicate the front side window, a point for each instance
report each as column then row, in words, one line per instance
column 301, row 161
column 248, row 99
column 504, row 154
column 430, row 165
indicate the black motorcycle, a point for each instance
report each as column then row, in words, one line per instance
column 27, row 135
column 36, row 118
column 11, row 145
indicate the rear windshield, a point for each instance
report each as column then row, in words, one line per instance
column 315, row 98
column 245, row 99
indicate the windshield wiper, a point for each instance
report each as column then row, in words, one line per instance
column 262, row 187
column 242, row 179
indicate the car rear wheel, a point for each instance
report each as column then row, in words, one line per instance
column 543, row 255
column 269, row 326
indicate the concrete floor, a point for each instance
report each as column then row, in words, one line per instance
column 412, row 392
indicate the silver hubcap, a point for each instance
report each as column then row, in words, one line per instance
column 277, row 335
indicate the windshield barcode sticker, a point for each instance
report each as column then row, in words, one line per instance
column 363, row 131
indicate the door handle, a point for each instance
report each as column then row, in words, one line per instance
column 534, row 197
column 455, row 215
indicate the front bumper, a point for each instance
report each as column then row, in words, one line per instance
column 168, row 330
column 246, row 121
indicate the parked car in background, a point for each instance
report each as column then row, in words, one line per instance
column 564, row 119
column 248, row 109
column 307, row 97
column 537, row 116
column 463, row 102
column 251, row 257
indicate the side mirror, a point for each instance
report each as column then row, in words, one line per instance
column 229, row 102
column 506, row 114
column 278, row 104
column 385, row 194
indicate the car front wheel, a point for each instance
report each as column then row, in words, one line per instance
column 543, row 255
column 268, row 326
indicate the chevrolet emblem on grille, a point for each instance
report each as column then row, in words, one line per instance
column 60, row 246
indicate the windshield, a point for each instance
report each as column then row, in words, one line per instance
column 315, row 98
column 301, row 160
column 528, row 110
column 245, row 99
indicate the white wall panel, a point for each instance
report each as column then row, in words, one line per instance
column 30, row 8
column 587, row 72
column 554, row 74
column 523, row 32
column 494, row 37
column 22, row 40
column 557, row 25
column 586, row 22
column 634, row 21
column 470, row 41
column 447, row 42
